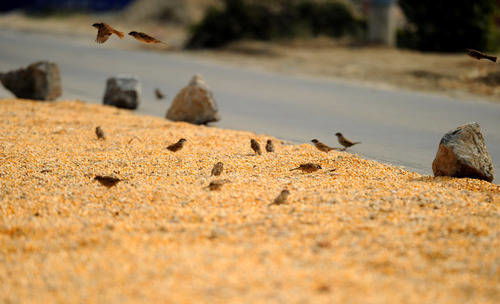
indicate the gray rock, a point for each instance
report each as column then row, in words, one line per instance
column 462, row 153
column 122, row 92
column 194, row 104
column 39, row 81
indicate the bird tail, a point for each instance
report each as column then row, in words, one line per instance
column 355, row 143
column 119, row 34
column 294, row 169
column 491, row 58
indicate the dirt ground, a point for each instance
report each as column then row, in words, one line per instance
column 454, row 75
column 356, row 231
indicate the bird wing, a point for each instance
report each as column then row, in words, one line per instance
column 474, row 54
column 103, row 34
column 325, row 147
column 149, row 39
column 348, row 142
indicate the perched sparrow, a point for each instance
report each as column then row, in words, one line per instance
column 281, row 198
column 255, row 146
column 217, row 169
column 104, row 31
column 478, row 55
column 159, row 94
column 108, row 181
column 217, row 184
column 321, row 146
column 177, row 146
column 308, row 168
column 100, row 133
column 269, row 146
column 143, row 37
column 344, row 141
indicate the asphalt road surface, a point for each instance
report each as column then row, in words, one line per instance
column 395, row 126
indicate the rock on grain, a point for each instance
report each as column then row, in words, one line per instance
column 463, row 153
column 122, row 92
column 39, row 81
column 194, row 104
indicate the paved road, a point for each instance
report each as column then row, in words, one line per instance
column 398, row 127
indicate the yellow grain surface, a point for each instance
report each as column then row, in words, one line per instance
column 366, row 233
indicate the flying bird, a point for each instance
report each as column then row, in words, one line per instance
column 143, row 37
column 177, row 146
column 344, row 141
column 107, row 181
column 269, row 146
column 255, row 146
column 281, row 198
column 321, row 146
column 308, row 168
column 99, row 133
column 104, row 31
column 217, row 169
column 159, row 95
column 478, row 55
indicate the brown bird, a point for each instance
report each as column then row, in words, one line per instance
column 108, row 181
column 321, row 146
column 217, row 169
column 177, row 146
column 344, row 141
column 308, row 168
column 99, row 133
column 217, row 184
column 269, row 146
column 159, row 94
column 478, row 55
column 104, row 31
column 143, row 37
column 281, row 198
column 255, row 146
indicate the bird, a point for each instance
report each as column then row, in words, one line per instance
column 177, row 146
column 478, row 55
column 143, row 37
column 321, row 146
column 344, row 141
column 159, row 95
column 281, row 198
column 308, row 168
column 269, row 146
column 104, row 31
column 107, row 181
column 99, row 133
column 217, row 184
column 255, row 146
column 217, row 169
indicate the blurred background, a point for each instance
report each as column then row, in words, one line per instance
column 295, row 69
column 443, row 26
column 310, row 32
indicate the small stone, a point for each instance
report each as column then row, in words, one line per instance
column 463, row 153
column 194, row 104
column 39, row 81
column 122, row 92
